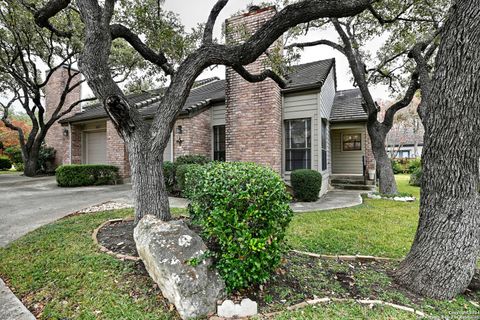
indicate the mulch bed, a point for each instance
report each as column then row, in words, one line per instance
column 299, row 278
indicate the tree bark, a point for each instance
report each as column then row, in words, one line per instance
column 378, row 135
column 442, row 260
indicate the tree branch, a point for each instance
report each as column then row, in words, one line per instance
column 159, row 59
column 404, row 102
column 329, row 43
column 212, row 18
column 50, row 9
column 260, row 77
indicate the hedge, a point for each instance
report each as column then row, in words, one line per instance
column 416, row 178
column 86, row 175
column 243, row 211
column 306, row 184
column 5, row 163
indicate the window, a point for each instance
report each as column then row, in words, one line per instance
column 298, row 144
column 324, row 145
column 352, row 142
column 219, row 143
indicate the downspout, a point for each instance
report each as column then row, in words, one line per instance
column 70, row 142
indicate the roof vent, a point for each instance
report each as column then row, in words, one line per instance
column 253, row 8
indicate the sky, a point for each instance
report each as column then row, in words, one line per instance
column 193, row 12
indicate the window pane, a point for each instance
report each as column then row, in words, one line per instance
column 352, row 142
column 219, row 143
column 298, row 144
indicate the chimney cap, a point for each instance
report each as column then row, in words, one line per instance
column 253, row 7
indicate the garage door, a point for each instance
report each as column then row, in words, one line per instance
column 96, row 147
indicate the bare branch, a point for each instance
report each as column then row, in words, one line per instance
column 404, row 102
column 260, row 77
column 212, row 18
column 329, row 43
column 159, row 59
column 51, row 8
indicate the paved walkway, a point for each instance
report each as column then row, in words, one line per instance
column 334, row 199
column 10, row 307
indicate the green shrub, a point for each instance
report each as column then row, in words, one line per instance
column 180, row 173
column 306, row 184
column 86, row 175
column 413, row 165
column 397, row 167
column 5, row 163
column 243, row 211
column 169, row 175
column 19, row 166
column 14, row 153
column 191, row 159
column 416, row 177
column 46, row 157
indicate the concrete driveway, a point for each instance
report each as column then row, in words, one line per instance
column 28, row 203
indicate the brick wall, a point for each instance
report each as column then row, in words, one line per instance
column 55, row 137
column 254, row 110
column 76, row 147
column 369, row 158
column 196, row 135
column 116, row 151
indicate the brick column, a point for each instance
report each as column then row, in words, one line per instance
column 55, row 136
column 369, row 158
column 116, row 151
column 254, row 110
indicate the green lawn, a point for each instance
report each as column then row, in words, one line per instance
column 377, row 227
column 9, row 172
column 59, row 273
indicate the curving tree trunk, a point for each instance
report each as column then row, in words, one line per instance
column 378, row 134
column 441, row 262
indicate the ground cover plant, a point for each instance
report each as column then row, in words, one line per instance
column 68, row 277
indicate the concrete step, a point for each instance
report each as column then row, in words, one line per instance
column 350, row 186
column 356, row 182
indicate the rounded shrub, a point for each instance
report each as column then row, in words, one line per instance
column 416, row 177
column 306, row 184
column 413, row 165
column 180, row 173
column 5, row 163
column 397, row 167
column 76, row 175
column 14, row 153
column 191, row 159
column 243, row 211
column 169, row 175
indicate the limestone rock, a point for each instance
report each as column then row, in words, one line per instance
column 246, row 308
column 166, row 248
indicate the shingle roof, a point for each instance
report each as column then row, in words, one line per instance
column 347, row 106
column 212, row 90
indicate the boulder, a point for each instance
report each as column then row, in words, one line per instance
column 168, row 250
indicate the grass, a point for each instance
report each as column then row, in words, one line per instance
column 11, row 171
column 66, row 277
column 377, row 227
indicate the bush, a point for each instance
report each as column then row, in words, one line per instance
column 86, row 175
column 46, row 157
column 397, row 167
column 19, row 166
column 306, row 184
column 5, row 163
column 243, row 210
column 191, row 159
column 14, row 153
column 413, row 165
column 416, row 177
column 169, row 175
column 180, row 174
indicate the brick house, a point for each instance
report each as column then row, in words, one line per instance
column 309, row 124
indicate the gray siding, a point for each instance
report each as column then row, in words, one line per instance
column 327, row 95
column 347, row 162
column 298, row 106
column 218, row 115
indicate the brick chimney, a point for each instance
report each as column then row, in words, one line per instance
column 58, row 135
column 254, row 110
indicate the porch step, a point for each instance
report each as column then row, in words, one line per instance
column 353, row 186
column 351, row 181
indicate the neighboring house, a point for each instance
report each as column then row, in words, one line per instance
column 309, row 124
column 405, row 151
